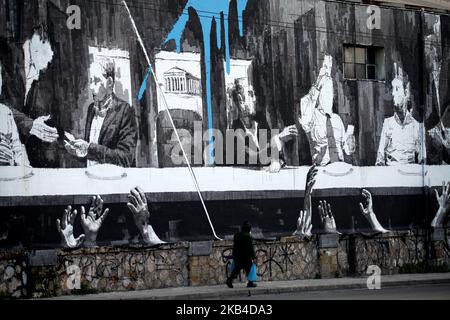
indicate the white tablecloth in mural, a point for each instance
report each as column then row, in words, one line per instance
column 62, row 186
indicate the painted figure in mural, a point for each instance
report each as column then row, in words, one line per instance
column 438, row 137
column 12, row 152
column 248, row 124
column 141, row 215
column 440, row 220
column 438, row 141
column 37, row 56
column 90, row 221
column 243, row 254
column 402, row 137
column 324, row 128
column 111, row 129
column 304, row 225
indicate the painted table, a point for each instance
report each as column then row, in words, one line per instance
column 61, row 186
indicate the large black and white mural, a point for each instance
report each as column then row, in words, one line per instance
column 157, row 121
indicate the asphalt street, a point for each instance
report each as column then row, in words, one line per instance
column 420, row 292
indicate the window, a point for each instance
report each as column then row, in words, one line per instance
column 363, row 63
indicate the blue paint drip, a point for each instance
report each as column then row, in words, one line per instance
column 144, row 84
column 207, row 10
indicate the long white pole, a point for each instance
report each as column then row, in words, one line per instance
column 191, row 171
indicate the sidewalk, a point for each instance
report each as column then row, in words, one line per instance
column 274, row 287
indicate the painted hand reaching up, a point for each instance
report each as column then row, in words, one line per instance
column 65, row 229
column 444, row 204
column 92, row 221
column 369, row 214
column 139, row 209
column 304, row 226
column 326, row 215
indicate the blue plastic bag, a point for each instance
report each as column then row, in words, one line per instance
column 231, row 267
column 252, row 276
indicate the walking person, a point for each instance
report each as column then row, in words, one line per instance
column 243, row 255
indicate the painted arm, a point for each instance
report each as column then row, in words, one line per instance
column 93, row 220
column 65, row 229
column 420, row 144
column 24, row 123
column 28, row 127
column 20, row 154
column 369, row 214
column 139, row 209
column 381, row 154
column 444, row 204
column 304, row 225
column 307, row 107
column 326, row 215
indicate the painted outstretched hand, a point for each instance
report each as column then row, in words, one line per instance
column 444, row 205
column 369, row 214
column 43, row 131
column 65, row 229
column 326, row 215
column 139, row 209
column 304, row 226
column 93, row 219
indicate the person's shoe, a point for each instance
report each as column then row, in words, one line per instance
column 251, row 285
column 229, row 283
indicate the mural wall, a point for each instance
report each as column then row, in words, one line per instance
column 242, row 89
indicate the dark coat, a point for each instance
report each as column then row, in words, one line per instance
column 243, row 250
column 118, row 135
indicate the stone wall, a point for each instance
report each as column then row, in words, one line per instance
column 13, row 274
column 61, row 272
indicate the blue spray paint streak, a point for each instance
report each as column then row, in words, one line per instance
column 144, row 84
column 207, row 10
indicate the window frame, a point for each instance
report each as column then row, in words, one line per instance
column 366, row 65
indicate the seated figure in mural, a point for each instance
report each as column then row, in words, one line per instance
column 324, row 128
column 441, row 218
column 92, row 221
column 402, row 136
column 111, row 129
column 248, row 124
column 20, row 94
column 12, row 152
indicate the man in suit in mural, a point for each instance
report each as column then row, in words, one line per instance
column 248, row 123
column 111, row 129
column 19, row 93
column 402, row 137
column 324, row 128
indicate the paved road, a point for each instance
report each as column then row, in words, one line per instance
column 422, row 292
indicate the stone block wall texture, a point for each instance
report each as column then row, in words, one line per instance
column 13, row 274
column 94, row 270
